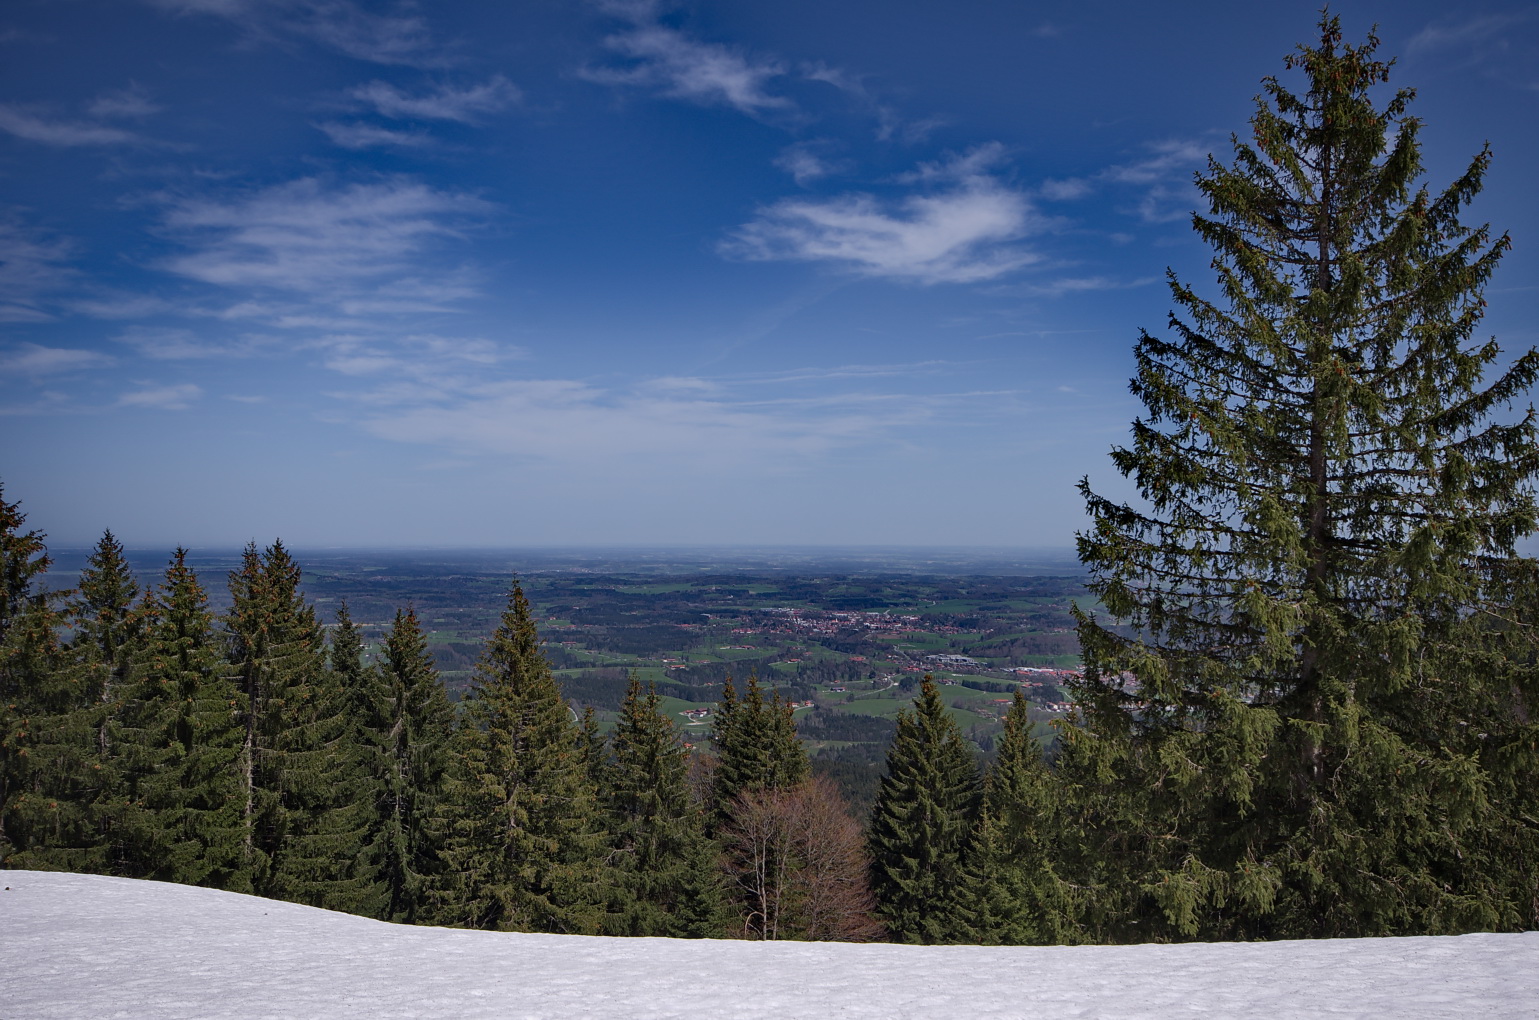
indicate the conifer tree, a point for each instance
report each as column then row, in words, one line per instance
column 107, row 625
column 920, row 825
column 37, row 693
column 178, row 739
column 1291, row 732
column 1011, row 895
column 418, row 728
column 593, row 750
column 756, row 745
column 525, row 846
column 101, row 610
column 306, row 836
column 657, row 833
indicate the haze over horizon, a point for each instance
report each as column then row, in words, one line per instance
column 634, row 274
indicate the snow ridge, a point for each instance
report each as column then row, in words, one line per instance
column 87, row 946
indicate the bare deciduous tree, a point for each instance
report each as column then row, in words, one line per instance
column 799, row 862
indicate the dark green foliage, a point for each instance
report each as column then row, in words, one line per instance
column 592, row 750
column 756, row 745
column 1300, row 736
column 177, row 740
column 46, row 740
column 299, row 767
column 524, row 847
column 663, row 875
column 1011, row 895
column 417, row 726
column 102, row 614
column 920, row 828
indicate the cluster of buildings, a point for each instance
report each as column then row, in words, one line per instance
column 791, row 619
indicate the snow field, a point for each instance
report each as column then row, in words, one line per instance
column 85, row 946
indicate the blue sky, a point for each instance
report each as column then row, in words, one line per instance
column 630, row 273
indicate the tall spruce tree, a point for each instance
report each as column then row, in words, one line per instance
column 656, row 829
column 756, row 745
column 306, row 837
column 418, row 724
column 178, row 739
column 525, row 846
column 42, row 754
column 101, row 610
column 921, row 825
column 1011, row 895
column 1292, row 731
column 106, row 627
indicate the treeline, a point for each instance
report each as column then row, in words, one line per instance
column 256, row 751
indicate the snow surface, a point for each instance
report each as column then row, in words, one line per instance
column 85, row 946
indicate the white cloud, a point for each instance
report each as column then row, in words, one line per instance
column 130, row 102
column 682, row 68
column 972, row 165
column 362, row 364
column 1161, row 176
column 464, row 105
column 964, row 231
column 119, row 306
column 1477, row 33
column 358, row 135
column 664, row 422
column 164, row 398
column 363, row 243
column 35, row 128
column 1171, row 158
column 340, row 24
column 164, row 344
column 30, row 267
column 806, row 165
column 891, row 126
column 1084, row 284
column 1065, row 190
column 34, row 360
column 414, row 359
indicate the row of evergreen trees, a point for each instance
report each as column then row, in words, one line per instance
column 248, row 752
column 143, row 736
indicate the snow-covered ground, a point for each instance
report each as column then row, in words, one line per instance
column 83, row 946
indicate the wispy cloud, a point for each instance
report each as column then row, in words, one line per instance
column 31, row 266
column 368, row 245
column 1171, row 157
column 1477, row 33
column 465, row 105
column 110, row 305
column 34, row 360
column 670, row 62
column 416, row 357
column 164, row 398
column 1160, row 177
column 167, row 344
column 846, row 372
column 890, row 124
column 342, row 25
column 655, row 423
column 805, row 163
column 1084, row 284
column 132, row 102
column 962, row 229
column 37, row 127
column 358, row 135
